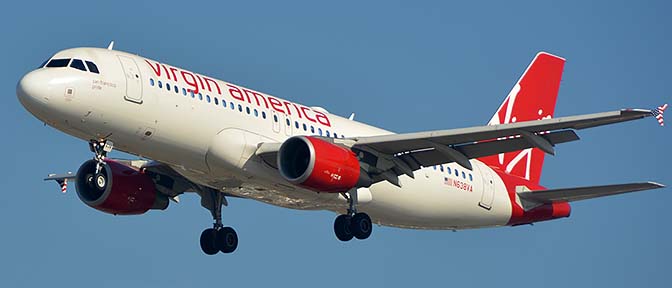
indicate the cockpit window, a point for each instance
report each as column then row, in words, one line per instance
column 92, row 67
column 78, row 64
column 58, row 63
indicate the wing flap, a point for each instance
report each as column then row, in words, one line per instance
column 583, row 193
column 428, row 158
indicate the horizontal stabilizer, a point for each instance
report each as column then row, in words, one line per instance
column 583, row 193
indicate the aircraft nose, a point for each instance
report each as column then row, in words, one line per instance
column 32, row 91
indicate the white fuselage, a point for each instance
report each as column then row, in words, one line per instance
column 214, row 144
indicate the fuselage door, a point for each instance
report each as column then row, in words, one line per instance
column 288, row 125
column 133, row 79
column 488, row 188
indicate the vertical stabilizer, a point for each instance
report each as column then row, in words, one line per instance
column 532, row 98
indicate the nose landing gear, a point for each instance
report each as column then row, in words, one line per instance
column 353, row 224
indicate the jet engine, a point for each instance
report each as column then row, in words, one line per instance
column 320, row 165
column 118, row 189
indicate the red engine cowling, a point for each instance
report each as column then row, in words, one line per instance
column 319, row 165
column 117, row 189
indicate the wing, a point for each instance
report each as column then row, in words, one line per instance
column 410, row 151
column 388, row 156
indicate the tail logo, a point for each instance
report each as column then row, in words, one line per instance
column 505, row 116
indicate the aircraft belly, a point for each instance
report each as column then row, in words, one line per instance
column 427, row 203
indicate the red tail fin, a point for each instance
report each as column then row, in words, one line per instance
column 532, row 98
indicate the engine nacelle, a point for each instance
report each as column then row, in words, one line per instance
column 319, row 165
column 117, row 189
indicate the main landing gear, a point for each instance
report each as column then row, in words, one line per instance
column 218, row 238
column 352, row 224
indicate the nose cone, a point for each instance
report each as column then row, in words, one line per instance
column 33, row 92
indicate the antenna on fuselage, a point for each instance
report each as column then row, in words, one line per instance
column 352, row 116
column 111, row 46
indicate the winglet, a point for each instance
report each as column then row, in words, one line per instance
column 62, row 180
column 658, row 113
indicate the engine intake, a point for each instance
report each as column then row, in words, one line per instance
column 117, row 189
column 319, row 165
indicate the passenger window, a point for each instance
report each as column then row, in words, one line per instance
column 256, row 113
column 305, row 127
column 288, row 123
column 240, row 108
column 151, row 82
column 177, row 90
column 160, row 84
column 200, row 96
column 184, row 91
column 275, row 118
column 192, row 93
column 312, row 129
column 457, row 173
column 55, row 63
column 207, row 98
column 247, row 109
column 319, row 131
column 471, row 178
column 463, row 175
column 78, row 64
column 92, row 67
column 434, row 167
column 233, row 106
column 441, row 168
column 296, row 124
column 168, row 86
column 448, row 169
column 335, row 135
column 263, row 114
column 216, row 101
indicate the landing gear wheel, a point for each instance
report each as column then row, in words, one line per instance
column 360, row 225
column 100, row 180
column 227, row 240
column 208, row 241
column 342, row 228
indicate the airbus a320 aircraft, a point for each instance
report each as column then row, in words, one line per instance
column 220, row 140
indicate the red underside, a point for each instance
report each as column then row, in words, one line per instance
column 541, row 213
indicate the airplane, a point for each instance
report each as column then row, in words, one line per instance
column 196, row 134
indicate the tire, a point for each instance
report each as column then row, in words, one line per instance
column 361, row 226
column 208, row 238
column 100, row 181
column 227, row 240
column 342, row 228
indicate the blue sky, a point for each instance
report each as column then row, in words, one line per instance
column 402, row 65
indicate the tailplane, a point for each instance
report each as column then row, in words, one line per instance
column 532, row 98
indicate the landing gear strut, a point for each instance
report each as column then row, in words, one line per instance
column 100, row 148
column 218, row 238
column 352, row 224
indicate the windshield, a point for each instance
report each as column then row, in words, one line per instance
column 58, row 63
